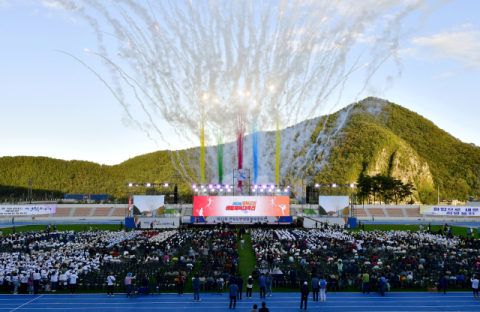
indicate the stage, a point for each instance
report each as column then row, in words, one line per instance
column 280, row 220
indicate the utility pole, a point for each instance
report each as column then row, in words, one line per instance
column 30, row 182
column 438, row 195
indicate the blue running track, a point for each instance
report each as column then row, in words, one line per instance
column 279, row 302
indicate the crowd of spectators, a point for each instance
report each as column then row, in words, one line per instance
column 404, row 259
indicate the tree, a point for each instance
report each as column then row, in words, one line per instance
column 364, row 186
column 406, row 190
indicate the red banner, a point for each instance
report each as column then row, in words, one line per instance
column 204, row 206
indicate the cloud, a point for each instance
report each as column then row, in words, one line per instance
column 461, row 44
column 4, row 4
column 444, row 75
column 58, row 4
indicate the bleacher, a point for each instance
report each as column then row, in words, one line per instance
column 377, row 212
column 360, row 212
column 82, row 212
column 62, row 212
column 119, row 212
column 102, row 211
column 413, row 212
column 395, row 212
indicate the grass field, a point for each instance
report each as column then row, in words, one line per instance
column 62, row 227
column 456, row 230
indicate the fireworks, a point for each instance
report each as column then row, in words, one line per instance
column 200, row 65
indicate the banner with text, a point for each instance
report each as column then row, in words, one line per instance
column 26, row 210
column 233, row 206
column 157, row 223
column 450, row 210
column 241, row 220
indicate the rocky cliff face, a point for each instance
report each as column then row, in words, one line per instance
column 402, row 162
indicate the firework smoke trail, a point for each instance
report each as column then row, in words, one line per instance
column 176, row 168
column 114, row 94
column 240, row 135
column 222, row 46
column 184, row 173
column 312, row 152
column 202, row 150
column 220, row 155
column 277, row 154
column 255, row 148
column 181, row 165
column 124, row 77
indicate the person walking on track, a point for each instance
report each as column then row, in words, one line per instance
column 110, row 282
column 305, row 292
column 233, row 295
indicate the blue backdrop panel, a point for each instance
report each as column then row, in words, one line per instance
column 352, row 222
column 130, row 223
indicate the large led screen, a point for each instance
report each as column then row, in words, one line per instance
column 333, row 203
column 233, row 206
column 149, row 203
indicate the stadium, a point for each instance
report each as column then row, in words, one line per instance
column 91, row 249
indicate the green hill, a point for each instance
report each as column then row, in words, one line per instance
column 392, row 140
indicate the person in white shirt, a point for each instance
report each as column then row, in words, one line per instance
column 73, row 282
column 474, row 281
column 15, row 283
column 110, row 282
column 54, row 280
column 36, row 281
column 24, row 282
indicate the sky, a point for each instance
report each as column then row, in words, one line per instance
column 52, row 106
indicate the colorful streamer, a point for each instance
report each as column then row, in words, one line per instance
column 255, row 148
column 277, row 156
column 220, row 155
column 240, row 134
column 202, row 150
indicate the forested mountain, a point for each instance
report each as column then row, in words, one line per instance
column 369, row 137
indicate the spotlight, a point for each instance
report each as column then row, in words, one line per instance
column 148, row 185
column 264, row 186
column 130, row 184
column 334, row 185
column 194, row 186
column 166, row 184
column 317, row 185
column 218, row 186
column 352, row 185
column 210, row 186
